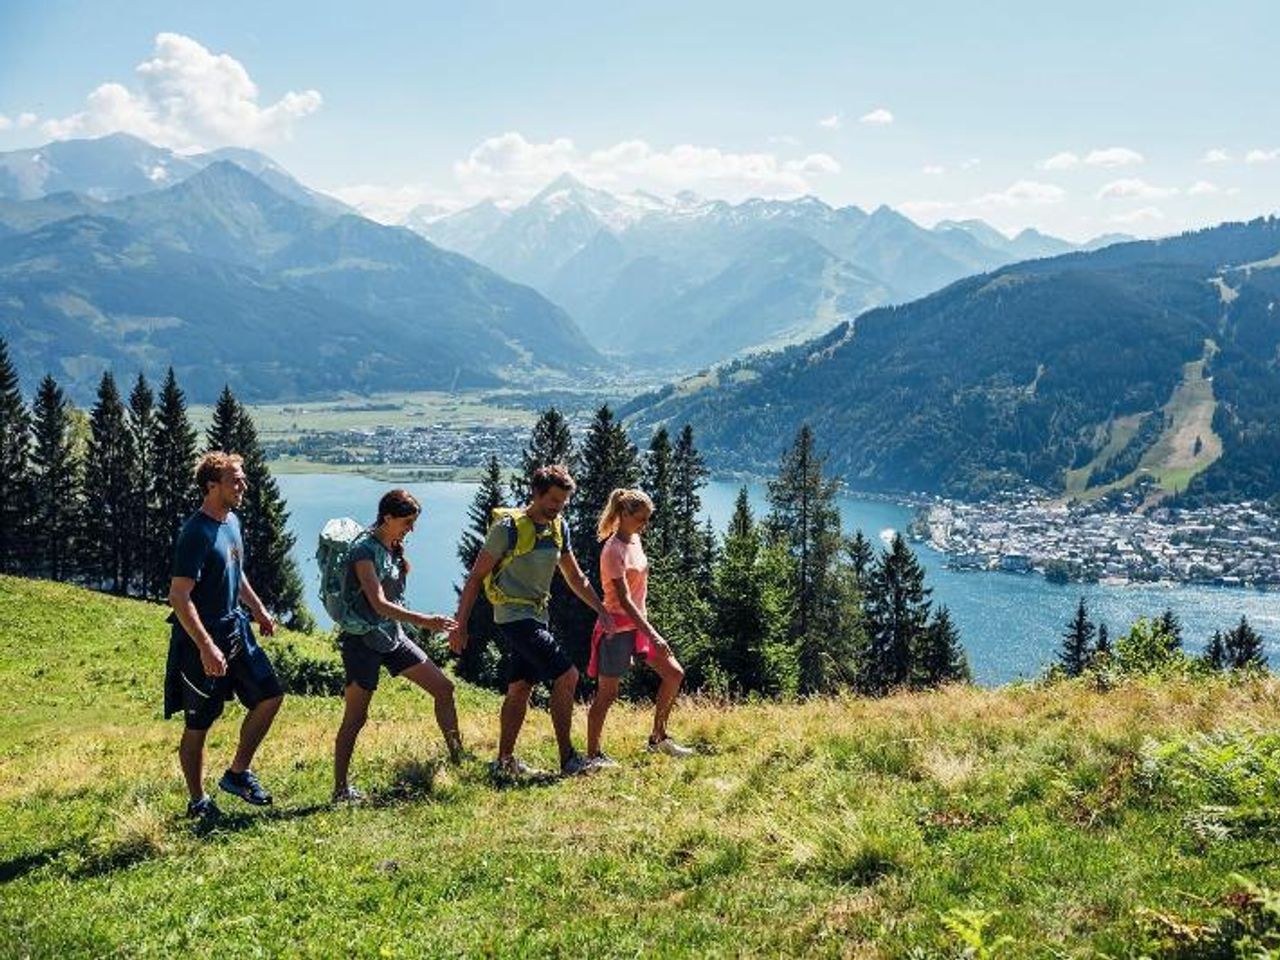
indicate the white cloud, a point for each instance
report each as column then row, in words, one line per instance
column 26, row 120
column 187, row 98
column 510, row 165
column 1139, row 217
column 830, row 123
column 1023, row 193
column 1202, row 188
column 5, row 122
column 389, row 204
column 933, row 169
column 1262, row 156
column 785, row 140
column 1133, row 188
column 926, row 211
column 970, row 163
column 1059, row 161
column 1114, row 157
column 878, row 117
column 1216, row 155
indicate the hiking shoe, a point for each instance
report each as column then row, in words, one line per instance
column 246, row 786
column 576, row 765
column 602, row 761
column 670, row 748
column 349, row 795
column 511, row 769
column 204, row 810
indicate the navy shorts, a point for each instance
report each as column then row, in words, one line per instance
column 201, row 698
column 534, row 656
column 362, row 662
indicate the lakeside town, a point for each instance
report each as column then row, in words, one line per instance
column 1231, row 545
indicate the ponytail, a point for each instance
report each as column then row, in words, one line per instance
column 621, row 501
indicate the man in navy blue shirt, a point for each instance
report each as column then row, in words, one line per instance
column 212, row 650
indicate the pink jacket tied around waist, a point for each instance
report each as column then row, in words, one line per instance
column 621, row 624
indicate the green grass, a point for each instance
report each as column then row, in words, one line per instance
column 1078, row 823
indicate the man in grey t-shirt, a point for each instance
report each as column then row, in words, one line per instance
column 523, row 586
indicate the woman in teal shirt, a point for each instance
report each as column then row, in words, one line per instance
column 377, row 567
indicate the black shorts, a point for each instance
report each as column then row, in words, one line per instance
column 361, row 661
column 534, row 655
column 199, row 697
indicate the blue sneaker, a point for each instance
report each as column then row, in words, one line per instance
column 245, row 785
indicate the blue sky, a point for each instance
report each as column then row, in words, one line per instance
column 1079, row 120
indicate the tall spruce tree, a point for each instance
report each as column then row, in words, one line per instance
column 142, row 499
column 608, row 460
column 1215, row 655
column 108, row 490
column 1077, row 642
column 268, row 544
column 550, row 442
column 804, row 518
column 56, row 483
column 479, row 662
column 221, row 434
column 688, row 476
column 939, row 657
column 897, row 605
column 1244, row 647
column 173, row 460
column 15, row 467
column 1103, row 647
column 657, row 482
column 740, row 613
column 859, row 555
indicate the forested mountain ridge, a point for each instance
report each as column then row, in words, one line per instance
column 1017, row 376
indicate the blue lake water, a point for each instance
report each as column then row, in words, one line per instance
column 1010, row 623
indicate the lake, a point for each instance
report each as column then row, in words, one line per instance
column 1010, row 623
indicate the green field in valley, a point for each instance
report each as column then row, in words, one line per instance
column 1032, row 821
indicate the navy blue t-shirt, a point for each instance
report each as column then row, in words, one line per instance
column 212, row 554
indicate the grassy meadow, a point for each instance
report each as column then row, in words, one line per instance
column 1031, row 821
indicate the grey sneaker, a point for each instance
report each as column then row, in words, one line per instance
column 512, row 769
column 602, row 761
column 576, row 764
column 670, row 748
column 204, row 811
column 349, row 795
column 246, row 786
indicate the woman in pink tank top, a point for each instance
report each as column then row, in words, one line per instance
column 624, row 575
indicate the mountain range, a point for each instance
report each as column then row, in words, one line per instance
column 1157, row 358
column 684, row 282
column 236, row 273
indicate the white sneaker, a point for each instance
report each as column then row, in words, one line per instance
column 512, row 769
column 349, row 795
column 670, row 748
column 602, row 761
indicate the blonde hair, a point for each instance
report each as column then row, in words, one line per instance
column 621, row 501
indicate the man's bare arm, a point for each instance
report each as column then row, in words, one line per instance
column 211, row 658
column 485, row 562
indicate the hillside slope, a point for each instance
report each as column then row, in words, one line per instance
column 832, row 828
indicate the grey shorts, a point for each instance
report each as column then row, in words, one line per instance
column 616, row 653
column 362, row 662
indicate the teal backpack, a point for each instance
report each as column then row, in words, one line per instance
column 336, row 584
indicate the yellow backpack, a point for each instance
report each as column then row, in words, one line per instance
column 523, row 537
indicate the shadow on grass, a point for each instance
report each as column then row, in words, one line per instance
column 18, row 867
column 235, row 822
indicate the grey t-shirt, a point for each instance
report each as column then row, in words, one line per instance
column 388, row 634
column 527, row 578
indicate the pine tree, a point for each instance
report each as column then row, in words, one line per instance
column 479, row 662
column 550, row 442
column 15, row 467
column 108, row 490
column 173, row 460
column 264, row 517
column 1171, row 627
column 221, row 434
column 688, row 476
column 657, row 482
column 739, row 602
column 608, row 461
column 1215, row 655
column 860, row 556
column 1077, row 642
column 1103, row 646
column 1244, row 647
column 56, row 483
column 141, row 426
column 897, row 604
column 805, row 520
column 939, row 657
